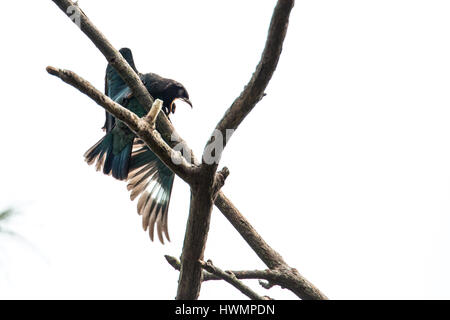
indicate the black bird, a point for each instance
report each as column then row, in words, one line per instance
column 123, row 155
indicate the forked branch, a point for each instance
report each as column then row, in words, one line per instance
column 204, row 181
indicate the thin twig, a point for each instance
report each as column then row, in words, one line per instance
column 231, row 279
column 241, row 274
column 153, row 113
column 217, row 274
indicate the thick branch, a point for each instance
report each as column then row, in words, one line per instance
column 270, row 257
column 195, row 241
column 141, row 127
column 111, row 54
column 293, row 280
column 254, row 90
column 121, row 65
column 208, row 187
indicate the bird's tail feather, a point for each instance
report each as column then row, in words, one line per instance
column 153, row 181
column 104, row 158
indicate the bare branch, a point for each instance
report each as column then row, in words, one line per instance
column 269, row 256
column 254, row 90
column 139, row 126
column 231, row 279
column 195, row 241
column 285, row 277
column 211, row 272
column 174, row 262
column 203, row 189
column 219, row 180
column 153, row 113
column 201, row 197
column 113, row 56
column 291, row 278
column 121, row 65
column 246, row 274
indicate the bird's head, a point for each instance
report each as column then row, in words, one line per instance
column 177, row 91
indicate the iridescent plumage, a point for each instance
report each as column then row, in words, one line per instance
column 123, row 155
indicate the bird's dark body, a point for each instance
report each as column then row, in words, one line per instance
column 124, row 156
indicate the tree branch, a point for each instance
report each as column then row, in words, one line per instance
column 231, row 278
column 294, row 280
column 113, row 56
column 269, row 256
column 140, row 126
column 211, row 272
column 284, row 277
column 254, row 90
column 233, row 117
column 208, row 187
column 207, row 276
column 195, row 241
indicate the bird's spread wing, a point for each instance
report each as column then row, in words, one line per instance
column 112, row 153
column 148, row 177
column 119, row 96
column 124, row 156
column 153, row 181
column 114, row 85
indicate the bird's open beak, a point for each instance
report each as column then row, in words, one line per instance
column 187, row 101
column 172, row 105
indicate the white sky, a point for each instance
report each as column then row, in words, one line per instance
column 344, row 167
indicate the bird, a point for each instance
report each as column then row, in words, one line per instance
column 124, row 156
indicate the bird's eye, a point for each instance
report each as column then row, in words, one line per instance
column 180, row 92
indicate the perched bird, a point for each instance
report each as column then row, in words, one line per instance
column 126, row 157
